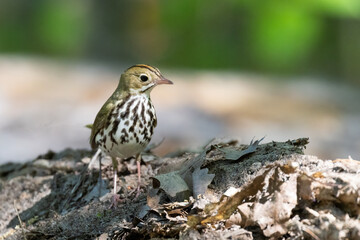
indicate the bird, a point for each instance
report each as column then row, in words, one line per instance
column 125, row 123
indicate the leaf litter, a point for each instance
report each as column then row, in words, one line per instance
column 227, row 191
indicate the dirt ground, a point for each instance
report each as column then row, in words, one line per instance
column 227, row 191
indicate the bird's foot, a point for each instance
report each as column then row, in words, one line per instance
column 137, row 191
column 115, row 200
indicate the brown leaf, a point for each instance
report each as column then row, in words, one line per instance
column 226, row 208
column 318, row 175
column 153, row 198
column 234, row 219
column 269, row 201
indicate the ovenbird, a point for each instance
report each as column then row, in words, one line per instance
column 124, row 125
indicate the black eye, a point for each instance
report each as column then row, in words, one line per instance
column 144, row 78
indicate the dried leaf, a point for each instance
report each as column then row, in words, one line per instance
column 226, row 208
column 189, row 166
column 153, row 198
column 143, row 211
column 270, row 199
column 300, row 142
column 234, row 219
column 171, row 183
column 200, row 203
column 304, row 187
column 190, row 178
column 201, row 180
column 230, row 192
column 275, row 206
column 349, row 164
column 232, row 154
column 318, row 175
column 193, row 220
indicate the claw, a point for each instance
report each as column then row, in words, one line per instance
column 137, row 190
column 115, row 200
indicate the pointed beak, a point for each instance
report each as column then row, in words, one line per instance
column 163, row 80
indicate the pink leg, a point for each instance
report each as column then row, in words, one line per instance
column 116, row 198
column 115, row 182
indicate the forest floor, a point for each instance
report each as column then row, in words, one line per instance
column 227, row 191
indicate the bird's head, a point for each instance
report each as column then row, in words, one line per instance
column 141, row 78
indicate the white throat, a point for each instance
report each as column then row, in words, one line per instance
column 144, row 90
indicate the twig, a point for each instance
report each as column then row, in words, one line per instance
column 21, row 223
column 311, row 233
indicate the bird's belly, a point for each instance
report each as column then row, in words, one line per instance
column 130, row 132
column 125, row 150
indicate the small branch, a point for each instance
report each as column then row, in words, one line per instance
column 21, row 223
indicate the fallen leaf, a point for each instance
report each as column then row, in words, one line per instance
column 275, row 206
column 201, row 180
column 232, row 154
column 234, row 219
column 224, row 209
column 171, row 183
column 318, row 175
column 267, row 201
column 181, row 183
column 153, row 198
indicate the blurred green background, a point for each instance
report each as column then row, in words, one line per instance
column 241, row 68
column 295, row 37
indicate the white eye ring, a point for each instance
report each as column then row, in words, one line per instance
column 144, row 77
